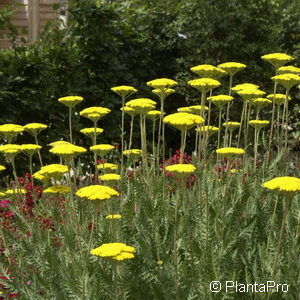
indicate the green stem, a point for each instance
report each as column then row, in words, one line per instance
column 131, row 131
column 70, row 124
column 122, row 133
column 273, row 116
column 241, row 121
column 39, row 153
column 219, row 131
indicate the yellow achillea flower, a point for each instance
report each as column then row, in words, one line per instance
column 57, row 189
column 91, row 131
column 2, row 195
column 96, row 192
column 260, row 102
column 208, row 71
column 220, row 100
column 289, row 69
column 248, row 94
column 209, row 129
column 133, row 153
column 181, row 170
column 116, row 251
column 283, row 184
column 112, row 178
column 30, row 149
column 67, row 152
column 232, row 125
column 163, row 93
column 259, row 123
column 102, row 149
column 59, row 143
column 153, row 114
column 204, row 84
column 107, row 167
column 129, row 111
column 124, row 91
column 279, row 99
column 141, row 105
column 9, row 131
column 34, row 128
column 197, row 109
column 287, row 80
column 229, row 151
column 2, row 168
column 183, row 121
column 16, row 191
column 10, row 150
column 277, row 59
column 184, row 109
column 70, row 101
column 94, row 113
column 244, row 86
column 231, row 67
column 113, row 217
column 50, row 171
column 162, row 83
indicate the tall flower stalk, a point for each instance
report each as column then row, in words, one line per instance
column 124, row 92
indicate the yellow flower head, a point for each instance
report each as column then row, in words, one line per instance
column 57, row 189
column 277, row 59
column 124, row 91
column 2, row 168
column 231, row 125
column 9, row 131
column 289, row 69
column 59, row 143
column 183, row 121
column 30, row 149
column 94, row 113
column 16, row 191
column 133, row 153
column 285, row 184
column 230, row 151
column 210, row 130
column 287, row 80
column 162, row 83
column 141, row 105
column 181, row 170
column 67, row 152
column 163, row 93
column 113, row 217
column 91, row 131
column 96, row 192
column 197, row 109
column 279, row 99
column 153, row 114
column 204, row 84
column 34, row 128
column 231, row 67
column 70, row 101
column 260, row 102
column 129, row 111
column 184, row 109
column 107, row 167
column 208, row 71
column 112, row 178
column 10, row 150
column 248, row 94
column 244, row 86
column 102, row 149
column 259, row 123
column 51, row 171
column 220, row 100
column 115, row 251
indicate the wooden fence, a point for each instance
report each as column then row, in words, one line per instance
column 32, row 15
